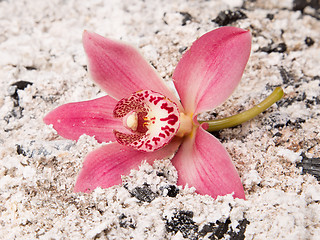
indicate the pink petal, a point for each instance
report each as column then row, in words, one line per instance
column 120, row 69
column 94, row 118
column 204, row 163
column 104, row 166
column 208, row 73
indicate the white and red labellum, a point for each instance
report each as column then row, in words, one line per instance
column 152, row 119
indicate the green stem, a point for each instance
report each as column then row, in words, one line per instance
column 218, row 124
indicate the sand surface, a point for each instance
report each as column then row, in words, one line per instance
column 42, row 66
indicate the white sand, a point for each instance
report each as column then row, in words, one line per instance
column 40, row 43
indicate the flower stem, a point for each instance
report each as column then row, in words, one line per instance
column 218, row 124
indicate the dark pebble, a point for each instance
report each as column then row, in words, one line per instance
column 300, row 5
column 182, row 221
column 279, row 125
column 241, row 228
column 270, row 16
column 313, row 101
column 301, row 97
column 20, row 150
column 21, row 85
column 160, row 174
column 144, row 193
column 310, row 166
column 280, row 48
column 296, row 124
column 13, row 90
column 172, row 190
column 278, row 134
column 186, row 18
column 30, row 68
column 309, row 41
column 15, row 113
column 126, row 222
column 227, row 17
column 182, row 49
column 285, row 75
column 285, row 102
column 218, row 229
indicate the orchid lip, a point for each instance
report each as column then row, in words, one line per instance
column 152, row 119
column 130, row 121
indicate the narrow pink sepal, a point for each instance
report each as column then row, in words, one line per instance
column 120, row 69
column 94, row 118
column 209, row 72
column 202, row 162
column 104, row 166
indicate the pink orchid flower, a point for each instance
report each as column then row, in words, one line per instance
column 145, row 121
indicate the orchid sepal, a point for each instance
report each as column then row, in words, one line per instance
column 202, row 162
column 211, row 69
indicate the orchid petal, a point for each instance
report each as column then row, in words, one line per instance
column 94, row 118
column 104, row 166
column 202, row 162
column 120, row 69
column 209, row 72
